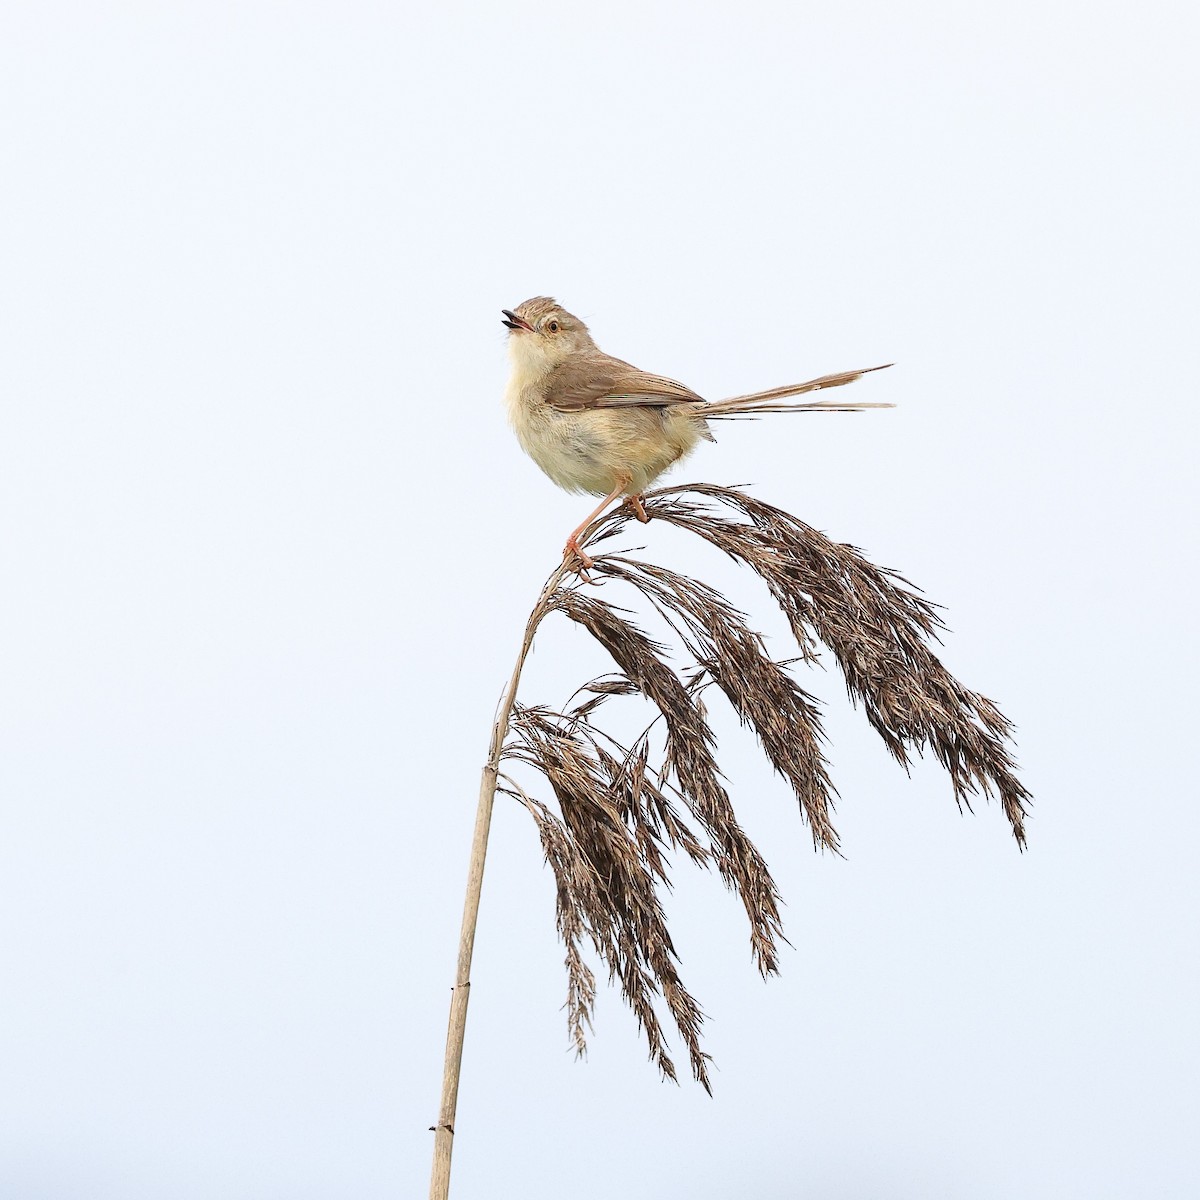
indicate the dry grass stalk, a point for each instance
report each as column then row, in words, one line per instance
column 443, row 1141
column 877, row 628
column 607, row 859
column 618, row 820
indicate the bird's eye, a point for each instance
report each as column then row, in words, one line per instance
column 552, row 326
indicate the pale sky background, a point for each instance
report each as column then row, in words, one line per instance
column 267, row 545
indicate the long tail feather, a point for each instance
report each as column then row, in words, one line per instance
column 763, row 402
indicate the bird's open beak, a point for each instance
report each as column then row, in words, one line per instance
column 515, row 322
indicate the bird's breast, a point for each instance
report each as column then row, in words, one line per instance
column 560, row 443
column 593, row 450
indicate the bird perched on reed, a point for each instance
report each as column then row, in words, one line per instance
column 596, row 424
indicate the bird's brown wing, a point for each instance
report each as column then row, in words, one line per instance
column 601, row 381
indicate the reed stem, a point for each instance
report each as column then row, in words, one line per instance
column 443, row 1142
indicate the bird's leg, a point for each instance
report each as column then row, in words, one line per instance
column 573, row 548
column 639, row 510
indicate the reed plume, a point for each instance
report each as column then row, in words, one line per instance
column 611, row 822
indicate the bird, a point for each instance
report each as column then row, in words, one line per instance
column 596, row 424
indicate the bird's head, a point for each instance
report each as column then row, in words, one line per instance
column 541, row 333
